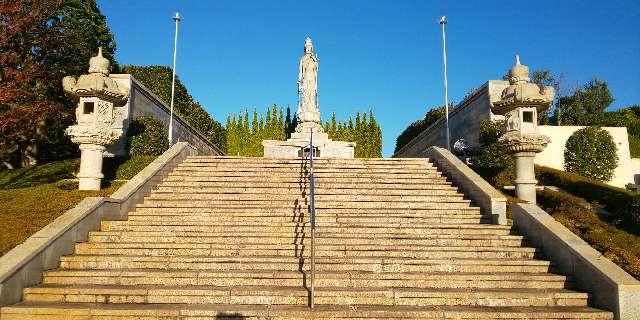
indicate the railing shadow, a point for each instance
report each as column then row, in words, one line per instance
column 229, row 316
column 300, row 210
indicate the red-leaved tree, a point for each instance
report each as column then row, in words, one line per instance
column 41, row 41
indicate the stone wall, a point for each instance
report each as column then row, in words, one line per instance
column 142, row 102
column 465, row 120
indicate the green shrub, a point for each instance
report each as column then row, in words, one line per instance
column 634, row 146
column 132, row 166
column 414, row 129
column 629, row 214
column 492, row 161
column 610, row 197
column 146, row 136
column 617, row 245
column 591, row 152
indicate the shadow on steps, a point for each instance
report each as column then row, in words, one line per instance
column 229, row 316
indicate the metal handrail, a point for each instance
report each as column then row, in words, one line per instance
column 313, row 220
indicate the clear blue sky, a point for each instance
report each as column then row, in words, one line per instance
column 383, row 55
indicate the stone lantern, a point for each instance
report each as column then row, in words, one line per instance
column 100, row 101
column 520, row 103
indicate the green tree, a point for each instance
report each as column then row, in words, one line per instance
column 585, row 107
column 41, row 42
column 376, row 133
column 544, row 78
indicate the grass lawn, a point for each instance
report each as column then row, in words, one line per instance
column 31, row 198
column 24, row 211
column 619, row 246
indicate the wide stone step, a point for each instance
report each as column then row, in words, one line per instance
column 351, row 230
column 320, row 219
column 317, row 162
column 371, row 264
column 297, row 176
column 104, row 311
column 279, row 295
column 234, row 170
column 286, row 210
column 282, row 215
column 292, row 204
column 291, row 184
column 360, row 279
column 162, row 249
column 320, row 180
column 512, row 241
column 296, row 190
column 327, row 246
column 318, row 197
column 244, row 160
column 269, row 234
column 298, row 221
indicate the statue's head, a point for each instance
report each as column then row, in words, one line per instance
column 308, row 45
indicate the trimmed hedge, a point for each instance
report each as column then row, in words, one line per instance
column 146, row 137
column 158, row 79
column 634, row 146
column 616, row 245
column 132, row 166
column 610, row 197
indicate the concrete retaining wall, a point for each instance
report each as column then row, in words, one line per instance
column 553, row 155
column 490, row 200
column 611, row 288
column 464, row 122
column 23, row 265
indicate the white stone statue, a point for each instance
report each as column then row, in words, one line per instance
column 308, row 110
column 308, row 119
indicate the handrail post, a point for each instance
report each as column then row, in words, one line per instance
column 313, row 220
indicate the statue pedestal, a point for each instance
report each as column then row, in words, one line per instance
column 525, row 176
column 293, row 147
column 90, row 175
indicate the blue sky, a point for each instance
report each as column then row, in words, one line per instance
column 380, row 55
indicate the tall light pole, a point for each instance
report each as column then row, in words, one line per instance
column 443, row 21
column 176, row 18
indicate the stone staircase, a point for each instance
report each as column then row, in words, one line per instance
column 229, row 238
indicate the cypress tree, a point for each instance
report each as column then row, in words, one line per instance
column 246, row 133
column 282, row 129
column 377, row 136
column 239, row 136
column 358, row 138
column 287, row 123
column 254, row 122
column 294, row 124
column 334, row 125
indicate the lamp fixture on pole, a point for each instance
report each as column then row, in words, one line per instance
column 443, row 21
column 177, row 19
